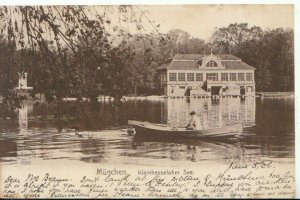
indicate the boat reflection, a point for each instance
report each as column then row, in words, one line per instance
column 190, row 149
column 140, row 139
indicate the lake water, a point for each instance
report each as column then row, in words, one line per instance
column 268, row 134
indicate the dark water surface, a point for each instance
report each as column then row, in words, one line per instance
column 268, row 133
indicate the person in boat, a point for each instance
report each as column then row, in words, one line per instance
column 195, row 123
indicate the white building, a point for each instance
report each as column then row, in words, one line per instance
column 206, row 75
column 22, row 85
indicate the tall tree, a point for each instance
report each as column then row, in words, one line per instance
column 228, row 38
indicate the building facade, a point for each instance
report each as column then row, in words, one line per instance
column 206, row 75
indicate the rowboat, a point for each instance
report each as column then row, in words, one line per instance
column 152, row 129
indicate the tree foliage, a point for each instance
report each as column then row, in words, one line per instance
column 9, row 97
column 271, row 52
column 153, row 50
column 68, row 51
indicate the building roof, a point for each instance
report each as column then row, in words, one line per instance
column 236, row 65
column 190, row 62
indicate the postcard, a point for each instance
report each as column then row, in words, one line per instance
column 147, row 101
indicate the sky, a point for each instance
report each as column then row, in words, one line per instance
column 201, row 20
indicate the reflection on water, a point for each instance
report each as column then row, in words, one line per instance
column 23, row 119
column 268, row 133
column 213, row 113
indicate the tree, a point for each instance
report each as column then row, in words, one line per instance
column 180, row 41
column 271, row 52
column 228, row 38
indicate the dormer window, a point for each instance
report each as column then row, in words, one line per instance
column 211, row 64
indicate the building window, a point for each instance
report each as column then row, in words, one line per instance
column 211, row 64
column 249, row 89
column 232, row 76
column 224, row 77
column 190, row 77
column 199, row 77
column 241, row 76
column 181, row 76
column 212, row 76
column 249, row 77
column 172, row 77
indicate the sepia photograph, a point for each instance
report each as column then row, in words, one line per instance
column 147, row 101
